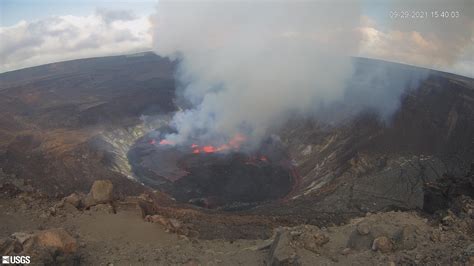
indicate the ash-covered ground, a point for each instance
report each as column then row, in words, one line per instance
column 360, row 191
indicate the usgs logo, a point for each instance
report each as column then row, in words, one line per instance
column 15, row 259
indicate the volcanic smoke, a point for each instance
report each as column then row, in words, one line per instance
column 246, row 67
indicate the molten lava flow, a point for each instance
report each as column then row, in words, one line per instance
column 234, row 144
column 208, row 149
column 166, row 142
column 152, row 141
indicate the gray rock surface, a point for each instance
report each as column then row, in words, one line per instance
column 281, row 252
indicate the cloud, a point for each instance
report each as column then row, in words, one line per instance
column 110, row 16
column 68, row 37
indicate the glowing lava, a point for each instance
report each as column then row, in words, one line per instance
column 166, row 142
column 233, row 144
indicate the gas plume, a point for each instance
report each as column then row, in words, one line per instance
column 246, row 66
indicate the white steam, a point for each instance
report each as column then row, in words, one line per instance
column 244, row 66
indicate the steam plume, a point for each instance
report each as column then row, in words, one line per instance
column 245, row 65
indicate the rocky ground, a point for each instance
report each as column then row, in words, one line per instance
column 66, row 125
column 97, row 229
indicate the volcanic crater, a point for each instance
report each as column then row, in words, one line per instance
column 319, row 172
column 224, row 177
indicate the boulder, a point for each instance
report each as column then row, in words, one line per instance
column 281, row 252
column 47, row 247
column 360, row 242
column 407, row 237
column 74, row 199
column 383, row 244
column 101, row 192
column 57, row 239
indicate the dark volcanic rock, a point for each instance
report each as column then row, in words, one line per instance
column 367, row 164
column 360, row 242
column 51, row 116
column 442, row 192
column 281, row 252
column 60, row 108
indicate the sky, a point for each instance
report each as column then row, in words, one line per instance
column 35, row 32
column 13, row 11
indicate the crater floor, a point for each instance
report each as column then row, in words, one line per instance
column 231, row 180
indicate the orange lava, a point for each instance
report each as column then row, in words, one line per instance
column 208, row 149
column 166, row 142
column 234, row 144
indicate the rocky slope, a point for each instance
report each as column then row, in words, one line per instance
column 65, row 125
column 108, row 232
column 365, row 164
